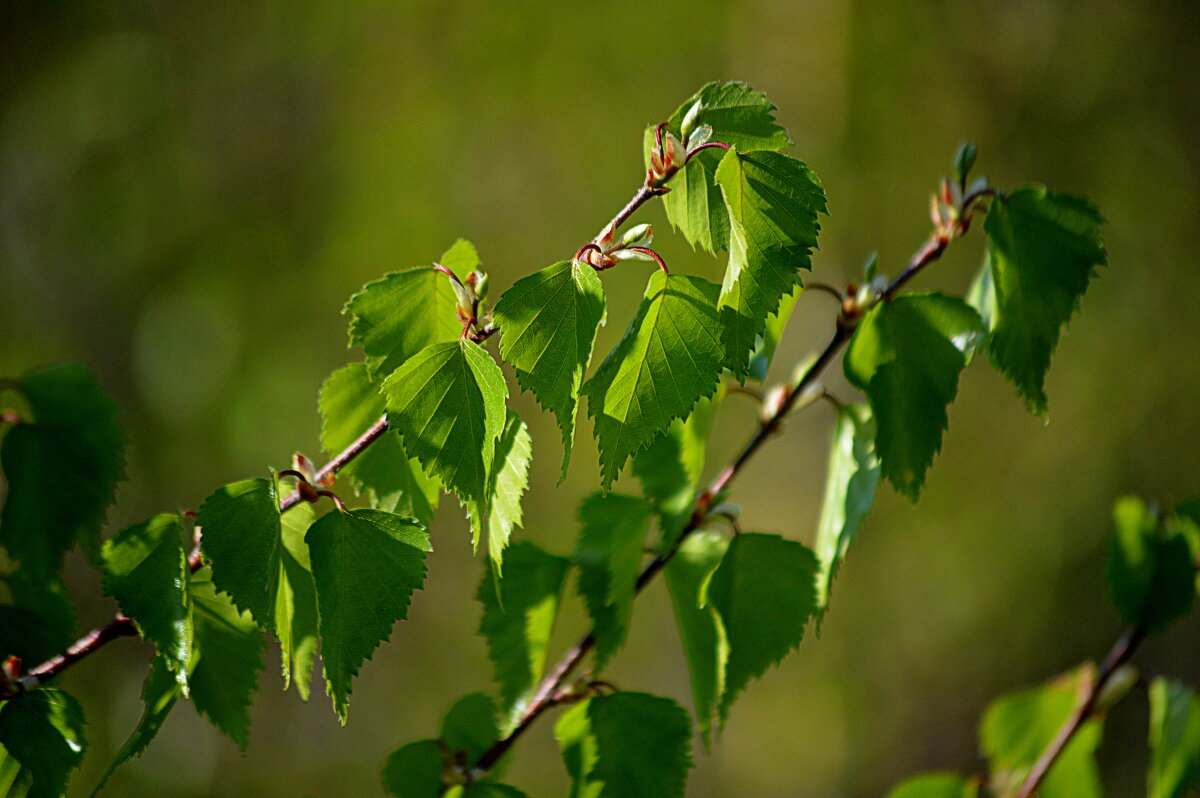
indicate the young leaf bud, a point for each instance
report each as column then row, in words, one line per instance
column 477, row 281
column 963, row 161
column 699, row 136
column 630, row 254
column 871, row 267
column 639, row 236
column 689, row 121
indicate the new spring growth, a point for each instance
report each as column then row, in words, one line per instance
column 668, row 157
column 608, row 250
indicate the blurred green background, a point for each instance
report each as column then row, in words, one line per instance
column 189, row 191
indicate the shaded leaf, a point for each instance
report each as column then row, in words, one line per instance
column 906, row 355
column 1044, row 248
column 366, row 565
column 1151, row 577
column 764, row 593
column 1017, row 728
column 243, row 540
column 936, row 785
column 609, row 553
column 517, row 623
column 704, row 645
column 1174, row 740
column 668, row 359
column 159, row 695
column 470, row 725
column 227, row 659
column 43, row 731
column 548, row 323
column 73, row 440
column 414, row 771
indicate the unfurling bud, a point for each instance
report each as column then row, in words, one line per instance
column 699, row 136
column 640, row 236
column 689, row 121
column 305, row 466
column 477, row 281
column 963, row 161
column 666, row 159
column 630, row 254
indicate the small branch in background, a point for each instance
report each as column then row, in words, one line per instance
column 1120, row 653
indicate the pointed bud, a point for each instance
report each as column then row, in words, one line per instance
column 690, row 119
column 304, row 466
column 699, row 136
column 640, row 236
column 629, row 254
column 477, row 281
column 964, row 160
column 871, row 267
column 674, row 154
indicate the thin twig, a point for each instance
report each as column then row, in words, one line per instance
column 1120, row 653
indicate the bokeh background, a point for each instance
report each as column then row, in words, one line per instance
column 189, row 191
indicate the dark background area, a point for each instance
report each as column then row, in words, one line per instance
column 189, row 191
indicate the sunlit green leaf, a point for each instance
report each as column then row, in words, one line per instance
column 668, row 359
column 936, row 785
column 548, row 323
column 394, row 318
column 1174, row 740
column 509, row 479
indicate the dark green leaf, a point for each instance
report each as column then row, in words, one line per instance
column 517, row 623
column 447, row 403
column 1018, row 728
column 146, row 570
column 1151, row 577
column 700, row 631
column 609, row 553
column 470, row 725
column 850, row 483
column 159, row 695
column 764, row 593
column 668, row 359
column 394, row 318
column 391, row 480
column 936, row 785
column 243, row 539
column 907, row 354
column 633, row 744
column 1174, row 740
column 227, row 659
column 73, row 440
column 1044, row 250
column 548, row 323
column 490, row 789
column 773, row 201
column 43, row 730
column 414, row 771
column 670, row 468
column 25, row 634
column 366, row 565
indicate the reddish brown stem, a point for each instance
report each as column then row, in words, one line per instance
column 657, row 258
column 708, row 145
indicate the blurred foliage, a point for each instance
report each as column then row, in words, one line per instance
column 188, row 192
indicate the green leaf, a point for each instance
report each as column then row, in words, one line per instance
column 490, row 789
column 146, row 570
column 48, row 602
column 548, row 323
column 1018, row 728
column 447, row 403
column 906, row 355
column 383, row 472
column 668, row 359
column 296, row 604
column 517, row 623
column 764, row 593
column 509, row 480
column 414, row 771
column 43, row 730
column 366, row 565
column 26, row 635
column 1044, row 249
column 982, row 293
column 461, row 258
column 243, row 537
column 609, row 553
column 1174, row 740
column 773, row 201
column 936, row 785
column 626, row 745
column 1151, row 577
column 851, row 479
column 704, row 645
column 740, row 117
column 159, row 694
column 768, row 341
column 228, row 658
column 470, row 726
column 671, row 466
column 394, row 318
column 73, row 440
